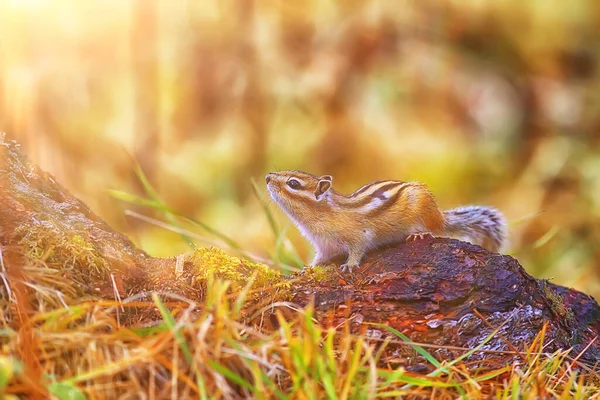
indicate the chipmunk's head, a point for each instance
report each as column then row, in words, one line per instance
column 297, row 192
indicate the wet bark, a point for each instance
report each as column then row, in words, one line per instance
column 454, row 294
column 438, row 291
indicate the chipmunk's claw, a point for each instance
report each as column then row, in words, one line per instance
column 419, row 236
column 347, row 268
column 306, row 270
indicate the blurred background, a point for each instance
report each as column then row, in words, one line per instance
column 488, row 102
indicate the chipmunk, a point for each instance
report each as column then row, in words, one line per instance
column 379, row 213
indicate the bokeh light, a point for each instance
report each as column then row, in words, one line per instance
column 488, row 102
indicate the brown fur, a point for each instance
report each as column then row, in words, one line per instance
column 376, row 214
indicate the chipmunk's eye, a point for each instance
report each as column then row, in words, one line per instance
column 294, row 184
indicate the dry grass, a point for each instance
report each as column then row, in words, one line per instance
column 55, row 343
column 487, row 102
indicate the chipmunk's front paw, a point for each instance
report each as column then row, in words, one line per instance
column 347, row 268
column 419, row 236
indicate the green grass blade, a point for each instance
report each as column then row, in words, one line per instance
column 272, row 385
column 178, row 335
column 149, row 330
column 66, row 391
column 266, row 210
column 490, row 375
column 201, row 386
column 241, row 298
column 400, row 376
column 153, row 194
column 473, row 350
column 167, row 210
column 281, row 253
column 546, row 237
column 154, row 203
column 144, row 180
column 232, row 376
column 171, row 323
column 131, row 198
column 432, row 360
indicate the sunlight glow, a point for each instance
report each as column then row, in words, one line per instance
column 26, row 3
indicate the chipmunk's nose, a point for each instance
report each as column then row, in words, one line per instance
column 268, row 178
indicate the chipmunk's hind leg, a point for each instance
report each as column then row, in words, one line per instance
column 325, row 251
column 320, row 258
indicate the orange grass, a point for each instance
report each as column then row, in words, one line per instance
column 190, row 350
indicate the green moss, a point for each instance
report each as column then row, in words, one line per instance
column 323, row 273
column 84, row 253
column 215, row 263
column 558, row 305
column 70, row 251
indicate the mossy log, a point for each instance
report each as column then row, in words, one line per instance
column 439, row 291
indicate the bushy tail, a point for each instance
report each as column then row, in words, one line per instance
column 484, row 226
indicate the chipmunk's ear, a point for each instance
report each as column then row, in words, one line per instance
column 322, row 186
